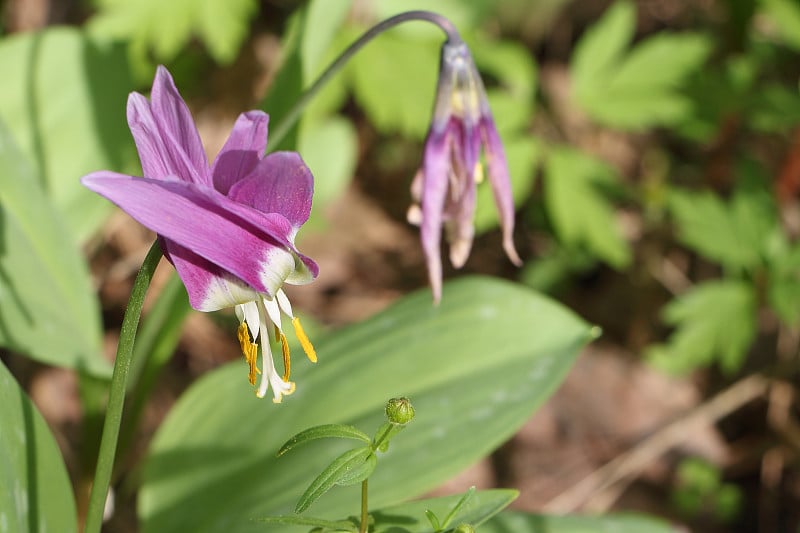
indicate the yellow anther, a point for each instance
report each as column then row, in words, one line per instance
column 479, row 176
column 304, row 342
column 287, row 361
column 249, row 350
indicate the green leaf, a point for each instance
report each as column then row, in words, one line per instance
column 518, row 522
column 485, row 358
column 339, row 471
column 48, row 307
column 36, row 495
column 294, row 520
column 783, row 291
column 407, row 517
column 785, row 14
column 165, row 28
column 641, row 88
column 63, row 99
column 394, row 80
column 330, row 149
column 325, row 431
column 715, row 321
column 734, row 234
column 580, row 214
column 601, row 48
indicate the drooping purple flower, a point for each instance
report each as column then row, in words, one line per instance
column 228, row 228
column 444, row 189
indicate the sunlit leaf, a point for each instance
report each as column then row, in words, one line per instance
column 63, row 99
column 164, row 28
column 37, row 494
column 639, row 88
column 212, row 466
column 580, row 214
column 47, row 305
column 715, row 322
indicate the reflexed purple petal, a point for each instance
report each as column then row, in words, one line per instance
column 281, row 183
column 435, row 168
column 242, row 151
column 176, row 123
column 242, row 241
column 159, row 153
column 501, row 186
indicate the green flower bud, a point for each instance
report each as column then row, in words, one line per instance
column 464, row 528
column 399, row 411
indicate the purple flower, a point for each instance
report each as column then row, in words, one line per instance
column 444, row 189
column 228, row 229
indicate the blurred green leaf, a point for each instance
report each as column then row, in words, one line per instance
column 516, row 522
column 783, row 291
column 775, row 108
column 37, row 494
column 715, row 321
column 63, row 99
column 330, row 149
column 47, row 305
column 394, row 80
column 580, row 214
column 212, row 466
column 785, row 15
column 735, row 234
column 165, row 28
column 641, row 88
column 408, row 517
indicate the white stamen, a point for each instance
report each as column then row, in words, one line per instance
column 283, row 303
column 273, row 311
column 248, row 312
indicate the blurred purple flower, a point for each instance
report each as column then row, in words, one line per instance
column 229, row 228
column 444, row 189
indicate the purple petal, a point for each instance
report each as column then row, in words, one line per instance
column 281, row 183
column 501, row 186
column 435, row 168
column 242, row 151
column 160, row 154
column 176, row 123
column 250, row 245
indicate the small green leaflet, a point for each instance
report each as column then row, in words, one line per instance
column 715, row 322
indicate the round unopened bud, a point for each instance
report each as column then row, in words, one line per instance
column 464, row 528
column 399, row 411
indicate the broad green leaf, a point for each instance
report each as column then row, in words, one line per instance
column 735, row 233
column 715, row 322
column 63, row 99
column 322, row 22
column 325, row 431
column 580, row 214
column 641, row 88
column 47, row 305
column 165, row 28
column 338, row 472
column 517, row 522
column 410, row 517
column 485, row 358
column 36, row 494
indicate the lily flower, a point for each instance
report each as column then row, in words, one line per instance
column 228, row 228
column 444, row 189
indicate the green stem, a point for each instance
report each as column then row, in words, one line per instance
column 116, row 395
column 277, row 134
column 364, row 508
